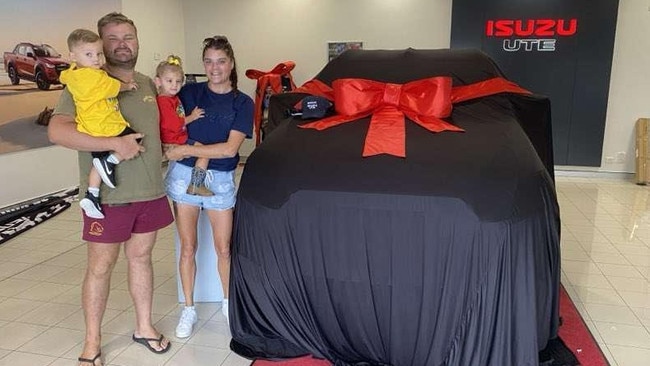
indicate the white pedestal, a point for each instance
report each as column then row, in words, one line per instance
column 207, row 286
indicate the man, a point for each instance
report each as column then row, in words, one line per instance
column 137, row 208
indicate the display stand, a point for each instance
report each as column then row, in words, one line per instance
column 207, row 286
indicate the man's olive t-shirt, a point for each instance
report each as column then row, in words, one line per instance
column 138, row 179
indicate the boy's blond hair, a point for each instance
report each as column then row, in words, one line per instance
column 80, row 36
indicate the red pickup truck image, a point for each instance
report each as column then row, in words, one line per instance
column 39, row 63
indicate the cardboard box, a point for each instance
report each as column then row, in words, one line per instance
column 642, row 151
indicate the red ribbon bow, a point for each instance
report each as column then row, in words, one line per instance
column 423, row 101
column 273, row 79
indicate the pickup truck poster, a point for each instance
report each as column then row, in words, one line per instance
column 562, row 49
column 33, row 37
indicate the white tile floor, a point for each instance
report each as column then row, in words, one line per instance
column 41, row 321
column 605, row 259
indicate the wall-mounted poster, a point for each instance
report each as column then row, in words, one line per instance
column 336, row 48
column 33, row 37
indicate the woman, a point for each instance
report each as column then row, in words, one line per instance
column 228, row 119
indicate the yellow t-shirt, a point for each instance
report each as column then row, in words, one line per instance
column 138, row 179
column 95, row 98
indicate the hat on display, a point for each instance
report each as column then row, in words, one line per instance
column 315, row 107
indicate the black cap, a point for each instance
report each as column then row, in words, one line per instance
column 315, row 107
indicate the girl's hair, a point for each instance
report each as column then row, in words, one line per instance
column 221, row 43
column 172, row 63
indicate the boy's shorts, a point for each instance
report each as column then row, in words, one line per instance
column 222, row 184
column 122, row 220
column 126, row 131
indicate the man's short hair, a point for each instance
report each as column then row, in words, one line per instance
column 114, row 18
column 79, row 36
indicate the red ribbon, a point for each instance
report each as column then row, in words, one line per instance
column 424, row 102
column 264, row 79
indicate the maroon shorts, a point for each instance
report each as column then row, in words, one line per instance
column 123, row 220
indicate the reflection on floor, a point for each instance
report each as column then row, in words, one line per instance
column 605, row 259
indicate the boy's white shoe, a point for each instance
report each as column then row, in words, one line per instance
column 224, row 310
column 186, row 323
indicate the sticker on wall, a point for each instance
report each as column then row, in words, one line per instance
column 336, row 48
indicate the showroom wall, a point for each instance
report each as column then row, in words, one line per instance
column 266, row 32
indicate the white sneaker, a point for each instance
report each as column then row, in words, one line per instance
column 186, row 323
column 224, row 310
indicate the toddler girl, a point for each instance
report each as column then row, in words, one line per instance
column 169, row 80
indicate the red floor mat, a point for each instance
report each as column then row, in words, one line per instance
column 576, row 335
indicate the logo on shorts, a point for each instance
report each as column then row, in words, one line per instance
column 148, row 98
column 96, row 229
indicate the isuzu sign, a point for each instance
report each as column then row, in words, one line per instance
column 543, row 32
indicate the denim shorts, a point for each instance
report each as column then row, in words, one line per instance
column 221, row 183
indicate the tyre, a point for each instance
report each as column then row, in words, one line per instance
column 41, row 82
column 13, row 75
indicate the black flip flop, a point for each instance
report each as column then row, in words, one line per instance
column 90, row 361
column 145, row 342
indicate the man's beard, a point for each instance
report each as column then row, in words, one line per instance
column 127, row 64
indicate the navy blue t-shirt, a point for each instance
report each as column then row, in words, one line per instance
column 223, row 112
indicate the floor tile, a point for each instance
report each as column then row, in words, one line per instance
column 67, row 260
column 212, row 334
column 11, row 286
column 14, row 334
column 591, row 295
column 636, row 299
column 588, row 280
column 608, row 258
column 190, row 354
column 119, row 300
column 163, row 304
column 53, row 342
column 8, row 269
column 33, row 257
column 71, row 296
column 585, row 267
column 8, row 253
column 612, row 314
column 69, row 276
column 624, row 335
column 124, row 323
column 41, row 272
column 26, row 359
column 619, row 270
column 644, row 316
column 48, row 314
column 234, row 359
column 629, row 284
column 137, row 354
column 44, row 291
column 12, row 309
column 630, row 356
column 76, row 319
